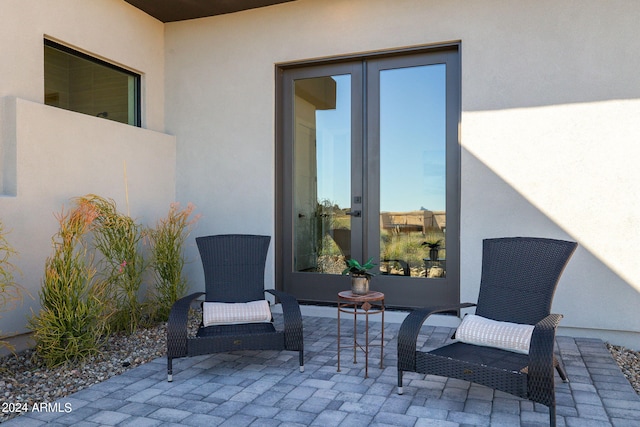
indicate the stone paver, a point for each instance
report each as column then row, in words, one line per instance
column 265, row 389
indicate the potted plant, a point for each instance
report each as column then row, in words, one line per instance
column 434, row 248
column 360, row 275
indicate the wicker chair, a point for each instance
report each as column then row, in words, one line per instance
column 234, row 268
column 519, row 279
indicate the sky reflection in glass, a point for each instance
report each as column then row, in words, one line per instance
column 412, row 141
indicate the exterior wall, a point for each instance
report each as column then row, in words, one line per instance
column 49, row 155
column 549, row 129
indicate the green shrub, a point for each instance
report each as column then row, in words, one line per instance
column 71, row 323
column 408, row 246
column 167, row 242
column 118, row 238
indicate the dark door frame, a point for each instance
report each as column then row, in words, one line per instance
column 319, row 289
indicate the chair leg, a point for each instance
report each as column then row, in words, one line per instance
column 552, row 415
column 560, row 369
column 169, row 369
column 301, row 358
column 400, row 389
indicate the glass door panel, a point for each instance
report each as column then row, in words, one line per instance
column 413, row 184
column 319, row 170
column 412, row 177
column 322, row 174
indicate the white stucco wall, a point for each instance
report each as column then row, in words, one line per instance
column 549, row 129
column 53, row 155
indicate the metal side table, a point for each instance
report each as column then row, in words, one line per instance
column 367, row 304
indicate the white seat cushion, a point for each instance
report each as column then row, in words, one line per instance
column 219, row 313
column 479, row 330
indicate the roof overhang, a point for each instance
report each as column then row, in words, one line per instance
column 180, row 10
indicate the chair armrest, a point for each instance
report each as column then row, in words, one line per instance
column 410, row 329
column 177, row 326
column 293, row 338
column 541, row 366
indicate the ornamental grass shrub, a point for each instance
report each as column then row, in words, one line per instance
column 118, row 238
column 167, row 241
column 70, row 325
column 92, row 282
column 408, row 246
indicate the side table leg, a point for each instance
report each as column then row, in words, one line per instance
column 382, row 339
column 366, row 345
column 338, row 336
column 355, row 331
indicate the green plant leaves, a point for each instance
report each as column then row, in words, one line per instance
column 82, row 301
column 354, row 267
column 72, row 319
column 167, row 242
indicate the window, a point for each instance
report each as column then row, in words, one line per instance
column 77, row 82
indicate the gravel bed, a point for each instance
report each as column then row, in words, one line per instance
column 24, row 379
column 629, row 363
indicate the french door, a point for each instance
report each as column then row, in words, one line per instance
column 368, row 167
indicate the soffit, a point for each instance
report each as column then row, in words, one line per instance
column 180, row 10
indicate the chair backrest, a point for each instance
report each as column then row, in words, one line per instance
column 520, row 276
column 234, row 266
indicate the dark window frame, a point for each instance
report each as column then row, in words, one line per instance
column 137, row 78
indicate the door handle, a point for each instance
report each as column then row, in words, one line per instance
column 357, row 214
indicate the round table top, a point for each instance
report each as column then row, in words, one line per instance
column 369, row 296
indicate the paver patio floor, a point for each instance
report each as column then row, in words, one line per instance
column 265, row 388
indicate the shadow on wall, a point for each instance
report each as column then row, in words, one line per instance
column 591, row 295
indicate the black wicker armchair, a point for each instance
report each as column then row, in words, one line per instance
column 234, row 268
column 519, row 279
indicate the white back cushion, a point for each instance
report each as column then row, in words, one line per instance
column 491, row 333
column 219, row 313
